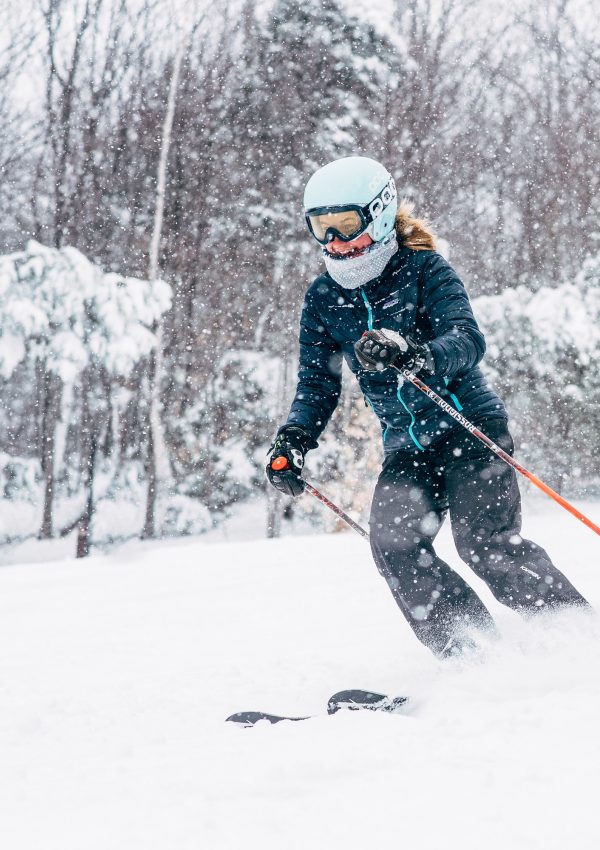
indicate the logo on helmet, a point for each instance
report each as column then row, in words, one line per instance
column 378, row 204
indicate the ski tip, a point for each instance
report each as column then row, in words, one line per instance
column 250, row 718
column 357, row 700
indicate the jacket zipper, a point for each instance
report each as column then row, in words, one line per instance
column 399, row 391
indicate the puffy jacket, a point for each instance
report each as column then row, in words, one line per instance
column 418, row 294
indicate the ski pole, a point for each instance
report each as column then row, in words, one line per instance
column 447, row 408
column 280, row 463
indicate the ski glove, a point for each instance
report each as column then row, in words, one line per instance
column 376, row 350
column 291, row 445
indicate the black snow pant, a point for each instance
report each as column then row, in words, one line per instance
column 461, row 476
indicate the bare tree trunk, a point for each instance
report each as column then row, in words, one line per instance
column 274, row 513
column 84, row 526
column 50, row 405
column 158, row 469
column 274, row 500
column 89, row 441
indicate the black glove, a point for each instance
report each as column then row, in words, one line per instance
column 291, row 444
column 378, row 349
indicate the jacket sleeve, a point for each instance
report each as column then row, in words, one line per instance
column 458, row 344
column 319, row 373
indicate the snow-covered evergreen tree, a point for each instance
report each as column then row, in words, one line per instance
column 74, row 331
column 543, row 354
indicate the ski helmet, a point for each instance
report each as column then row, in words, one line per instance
column 348, row 197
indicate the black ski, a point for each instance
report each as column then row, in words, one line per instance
column 353, row 700
column 249, row 718
column 360, row 700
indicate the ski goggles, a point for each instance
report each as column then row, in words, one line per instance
column 345, row 223
column 349, row 221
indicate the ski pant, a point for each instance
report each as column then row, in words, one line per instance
column 461, row 476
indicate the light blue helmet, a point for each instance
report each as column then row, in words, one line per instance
column 355, row 182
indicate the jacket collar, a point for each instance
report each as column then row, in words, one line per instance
column 381, row 285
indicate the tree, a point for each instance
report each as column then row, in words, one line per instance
column 17, row 130
column 79, row 329
column 544, row 358
column 158, row 467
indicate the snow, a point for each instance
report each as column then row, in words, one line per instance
column 116, row 674
column 118, row 513
column 562, row 320
column 65, row 309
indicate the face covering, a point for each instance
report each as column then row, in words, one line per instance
column 352, row 272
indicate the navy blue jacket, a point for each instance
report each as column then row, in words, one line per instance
column 418, row 294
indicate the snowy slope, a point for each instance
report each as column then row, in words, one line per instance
column 116, row 674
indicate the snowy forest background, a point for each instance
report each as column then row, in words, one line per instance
column 153, row 157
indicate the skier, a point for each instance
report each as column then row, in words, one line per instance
column 387, row 297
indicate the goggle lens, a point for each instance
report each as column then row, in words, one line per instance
column 347, row 224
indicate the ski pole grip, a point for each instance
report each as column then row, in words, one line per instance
column 279, row 463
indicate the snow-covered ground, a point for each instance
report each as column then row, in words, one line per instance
column 116, row 674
